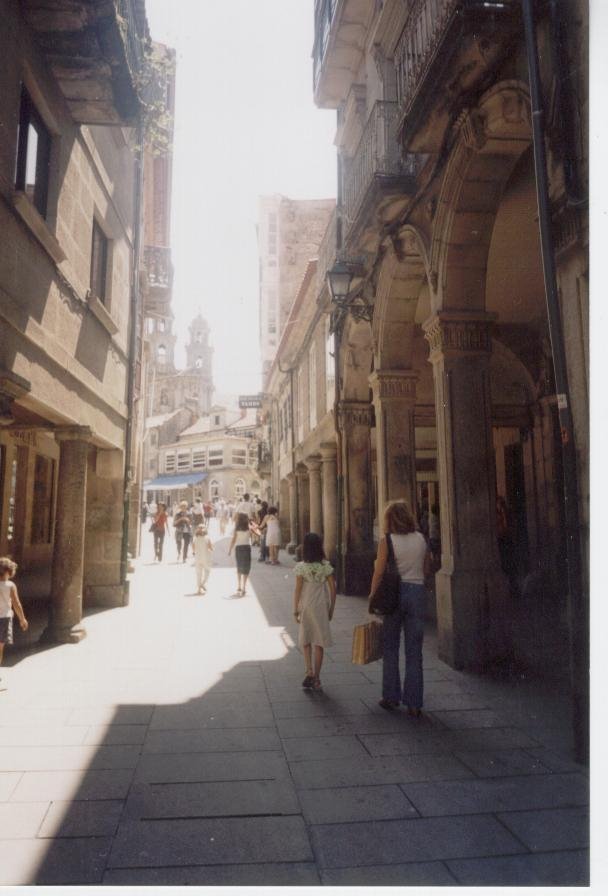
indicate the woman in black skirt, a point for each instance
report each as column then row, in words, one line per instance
column 241, row 542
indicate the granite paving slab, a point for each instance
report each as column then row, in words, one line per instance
column 326, row 726
column 343, row 804
column 162, row 768
column 411, row 840
column 554, row 869
column 21, row 820
column 471, row 718
column 312, row 705
column 215, row 841
column 550, row 830
column 29, row 862
column 286, row 874
column 48, row 736
column 35, row 717
column 502, row 763
column 99, row 784
column 53, row 758
column 82, row 818
column 211, row 740
column 167, row 718
column 498, row 794
column 8, row 783
column 211, row 799
column 107, row 735
column 391, row 744
column 103, row 715
column 384, row 770
column 556, row 762
column 414, row 874
column 340, row 747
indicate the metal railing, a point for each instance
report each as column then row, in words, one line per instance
column 133, row 34
column 426, row 25
column 378, row 154
column 328, row 251
column 324, row 14
column 157, row 261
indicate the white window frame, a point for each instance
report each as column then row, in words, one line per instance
column 184, row 461
column 240, row 487
column 170, row 462
column 240, row 451
column 214, row 488
column 215, row 456
column 199, row 458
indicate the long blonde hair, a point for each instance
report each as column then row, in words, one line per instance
column 399, row 519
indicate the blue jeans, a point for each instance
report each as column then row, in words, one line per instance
column 409, row 615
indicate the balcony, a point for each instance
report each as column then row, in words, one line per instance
column 437, row 31
column 96, row 52
column 157, row 262
column 377, row 172
column 340, row 33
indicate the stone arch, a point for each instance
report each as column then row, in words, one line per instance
column 490, row 140
column 356, row 358
column 401, row 278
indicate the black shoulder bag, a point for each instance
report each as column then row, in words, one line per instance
column 385, row 598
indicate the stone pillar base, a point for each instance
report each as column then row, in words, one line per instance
column 107, row 595
column 291, row 547
column 57, row 635
column 358, row 570
column 471, row 619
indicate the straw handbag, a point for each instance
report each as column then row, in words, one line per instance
column 367, row 643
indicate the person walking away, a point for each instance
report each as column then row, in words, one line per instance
column 241, row 542
column 272, row 530
column 245, row 506
column 203, row 550
column 435, row 534
column 314, row 603
column 144, row 512
column 160, row 528
column 9, row 604
column 261, row 518
column 183, row 521
column 197, row 511
column 413, row 562
column 224, row 517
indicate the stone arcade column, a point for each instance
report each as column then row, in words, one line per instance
column 293, row 514
column 329, row 499
column 471, row 589
column 303, row 502
column 354, row 419
column 313, row 464
column 394, row 394
column 68, row 551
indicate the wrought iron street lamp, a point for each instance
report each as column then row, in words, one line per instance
column 339, row 279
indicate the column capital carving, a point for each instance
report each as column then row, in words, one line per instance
column 329, row 451
column 394, row 384
column 313, row 463
column 354, row 413
column 459, row 333
column 73, row 434
column 291, row 478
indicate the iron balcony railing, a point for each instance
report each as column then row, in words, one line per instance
column 131, row 20
column 378, row 156
column 157, row 261
column 324, row 14
column 426, row 26
column 328, row 251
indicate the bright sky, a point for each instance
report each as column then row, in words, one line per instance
column 246, row 125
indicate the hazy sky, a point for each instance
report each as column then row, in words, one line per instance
column 245, row 125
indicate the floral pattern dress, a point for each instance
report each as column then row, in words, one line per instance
column 314, row 603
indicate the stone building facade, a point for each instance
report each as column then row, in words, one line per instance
column 289, row 233
column 69, row 192
column 445, row 389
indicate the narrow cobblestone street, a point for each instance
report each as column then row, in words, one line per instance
column 175, row 746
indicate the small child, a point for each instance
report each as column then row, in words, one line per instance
column 9, row 603
column 202, row 549
column 314, row 602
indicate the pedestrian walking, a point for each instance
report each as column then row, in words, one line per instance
column 160, row 528
column 413, row 562
column 272, row 530
column 144, row 512
column 182, row 523
column 9, row 604
column 241, row 542
column 313, row 603
column 263, row 555
column 197, row 511
column 224, row 514
column 203, row 551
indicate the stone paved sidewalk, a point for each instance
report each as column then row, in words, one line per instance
column 175, row 746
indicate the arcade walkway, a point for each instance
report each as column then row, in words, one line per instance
column 175, row 746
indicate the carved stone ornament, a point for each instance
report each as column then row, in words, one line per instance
column 354, row 413
column 466, row 336
column 393, row 384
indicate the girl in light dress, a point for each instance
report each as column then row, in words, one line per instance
column 314, row 602
column 272, row 527
column 203, row 550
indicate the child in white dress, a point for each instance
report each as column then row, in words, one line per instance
column 203, row 550
column 314, row 602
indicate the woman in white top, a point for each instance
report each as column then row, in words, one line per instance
column 241, row 542
column 273, row 534
column 413, row 560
